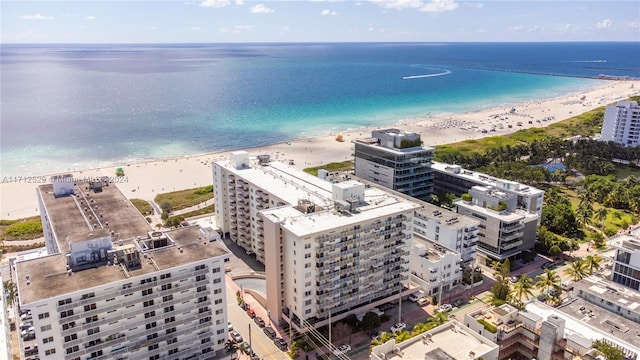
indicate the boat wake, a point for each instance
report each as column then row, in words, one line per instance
column 446, row 72
column 589, row 61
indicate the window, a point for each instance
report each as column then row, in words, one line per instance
column 88, row 296
column 216, row 281
column 219, row 311
column 167, row 298
column 93, row 331
column 126, row 286
column 165, row 276
column 151, row 325
column 155, row 357
column 217, row 291
column 307, row 255
column 50, row 352
column 149, row 314
column 215, row 270
column 148, row 303
column 90, row 307
column 153, row 347
column 173, row 351
column 205, row 340
column 168, row 309
column 204, row 309
column 45, row 328
column 70, row 337
column 166, row 287
column 199, row 267
column 68, row 325
column 205, row 320
column 170, row 331
column 201, row 277
column 201, row 288
column 307, row 265
column 218, row 301
column 73, row 349
column 43, row 316
column 307, row 246
column 152, row 336
column 91, row 318
column 47, row 340
column 147, row 292
column 64, row 314
column 65, row 301
column 169, row 319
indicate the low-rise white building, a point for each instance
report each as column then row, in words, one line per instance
column 435, row 268
column 621, row 123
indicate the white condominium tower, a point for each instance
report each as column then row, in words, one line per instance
column 622, row 123
column 329, row 250
column 112, row 288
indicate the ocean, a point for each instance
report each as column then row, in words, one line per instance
column 83, row 106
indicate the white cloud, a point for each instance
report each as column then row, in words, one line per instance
column 535, row 28
column 327, row 12
column 240, row 2
column 474, row 5
column 516, row 28
column 195, row 28
column 215, row 3
column 426, row 6
column 149, row 28
column 482, row 31
column 261, row 9
column 89, row 17
column 635, row 24
column 37, row 17
column 604, row 24
column 236, row 29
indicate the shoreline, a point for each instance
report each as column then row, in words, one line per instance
column 144, row 179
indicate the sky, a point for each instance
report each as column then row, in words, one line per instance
column 238, row 21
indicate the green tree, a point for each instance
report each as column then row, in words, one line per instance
column 500, row 290
column 436, row 320
column 578, row 269
column 11, row 291
column 522, row 287
column 593, row 263
column 370, row 321
column 547, row 280
column 601, row 216
column 607, row 350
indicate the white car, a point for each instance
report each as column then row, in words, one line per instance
column 230, row 326
column 398, row 327
column 445, row 308
column 414, row 297
column 342, row 349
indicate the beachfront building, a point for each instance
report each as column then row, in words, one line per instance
column 456, row 180
column 622, row 123
column 505, row 231
column 397, row 160
column 329, row 250
column 435, row 268
column 5, row 334
column 546, row 333
column 112, row 288
column 448, row 341
column 626, row 262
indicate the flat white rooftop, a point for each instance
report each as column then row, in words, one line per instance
column 486, row 180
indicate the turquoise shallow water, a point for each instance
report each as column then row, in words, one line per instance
column 81, row 106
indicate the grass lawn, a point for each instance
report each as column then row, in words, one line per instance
column 21, row 229
column 335, row 166
column 623, row 171
column 185, row 198
column 179, row 218
column 143, row 206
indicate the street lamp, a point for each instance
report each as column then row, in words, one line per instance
column 269, row 316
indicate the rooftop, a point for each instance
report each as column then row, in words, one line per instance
column 610, row 291
column 594, row 325
column 486, row 180
column 86, row 210
column 629, row 242
column 504, row 215
column 377, row 204
column 433, row 252
column 449, row 341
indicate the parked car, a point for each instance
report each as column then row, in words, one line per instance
column 444, row 308
column 244, row 305
column 567, row 286
column 245, row 348
column 269, row 332
column 230, row 325
column 251, row 313
column 554, row 291
column 423, row 301
column 386, row 306
column 542, row 297
column 236, row 336
column 258, row 320
column 342, row 349
column 415, row 296
column 280, row 343
column 398, row 327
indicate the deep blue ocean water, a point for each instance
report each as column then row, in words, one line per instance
column 81, row 106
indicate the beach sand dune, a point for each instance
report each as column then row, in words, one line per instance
column 145, row 180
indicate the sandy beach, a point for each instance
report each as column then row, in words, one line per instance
column 145, row 180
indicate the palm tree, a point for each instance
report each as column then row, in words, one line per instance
column 437, row 319
column 601, row 216
column 578, row 269
column 522, row 287
column 592, row 263
column 547, row 280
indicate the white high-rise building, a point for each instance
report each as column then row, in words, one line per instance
column 626, row 263
column 622, row 123
column 435, row 268
column 112, row 288
column 329, row 250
